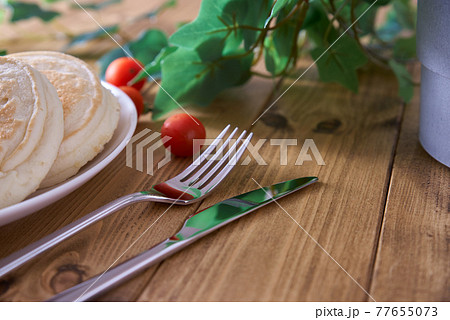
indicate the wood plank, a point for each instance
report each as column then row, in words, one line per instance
column 222, row 112
column 413, row 256
column 93, row 250
column 266, row 256
column 70, row 263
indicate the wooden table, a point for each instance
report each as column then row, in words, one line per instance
column 376, row 226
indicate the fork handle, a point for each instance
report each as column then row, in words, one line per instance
column 24, row 255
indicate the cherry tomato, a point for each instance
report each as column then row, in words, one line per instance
column 136, row 96
column 183, row 130
column 122, row 70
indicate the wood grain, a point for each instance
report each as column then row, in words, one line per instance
column 266, row 256
column 67, row 264
column 93, row 250
column 413, row 256
column 380, row 209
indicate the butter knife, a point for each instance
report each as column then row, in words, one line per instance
column 195, row 227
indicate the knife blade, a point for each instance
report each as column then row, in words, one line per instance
column 195, row 227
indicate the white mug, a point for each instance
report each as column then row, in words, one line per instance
column 433, row 50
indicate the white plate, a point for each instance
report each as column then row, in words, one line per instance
column 44, row 197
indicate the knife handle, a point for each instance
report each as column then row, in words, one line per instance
column 112, row 277
column 193, row 229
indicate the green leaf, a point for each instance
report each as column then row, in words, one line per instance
column 204, row 26
column 278, row 45
column 366, row 22
column 95, row 5
column 88, row 36
column 340, row 62
column 145, row 48
column 221, row 19
column 3, row 52
column 278, row 6
column 405, row 48
column 154, row 68
column 23, row 11
column 189, row 80
column 257, row 13
column 405, row 83
column 318, row 24
column 275, row 62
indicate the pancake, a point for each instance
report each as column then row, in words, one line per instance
column 91, row 112
column 31, row 129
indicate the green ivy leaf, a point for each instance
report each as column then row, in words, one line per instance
column 257, row 13
column 23, row 11
column 145, row 48
column 154, row 68
column 405, row 48
column 275, row 60
column 405, row 82
column 194, row 33
column 278, row 45
column 190, row 80
column 317, row 25
column 88, row 36
column 366, row 22
column 278, row 6
column 340, row 62
column 94, row 5
column 220, row 18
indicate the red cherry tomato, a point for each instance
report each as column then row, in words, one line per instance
column 183, row 130
column 122, row 70
column 136, row 96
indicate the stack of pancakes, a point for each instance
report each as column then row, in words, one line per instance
column 55, row 116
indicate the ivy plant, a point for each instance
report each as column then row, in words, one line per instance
column 220, row 48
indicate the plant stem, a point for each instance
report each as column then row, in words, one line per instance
column 355, row 25
column 335, row 17
column 247, row 27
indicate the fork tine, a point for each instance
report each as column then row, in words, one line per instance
column 198, row 174
column 203, row 155
column 230, row 165
column 232, row 149
column 219, row 164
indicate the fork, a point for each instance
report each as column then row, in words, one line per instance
column 192, row 185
